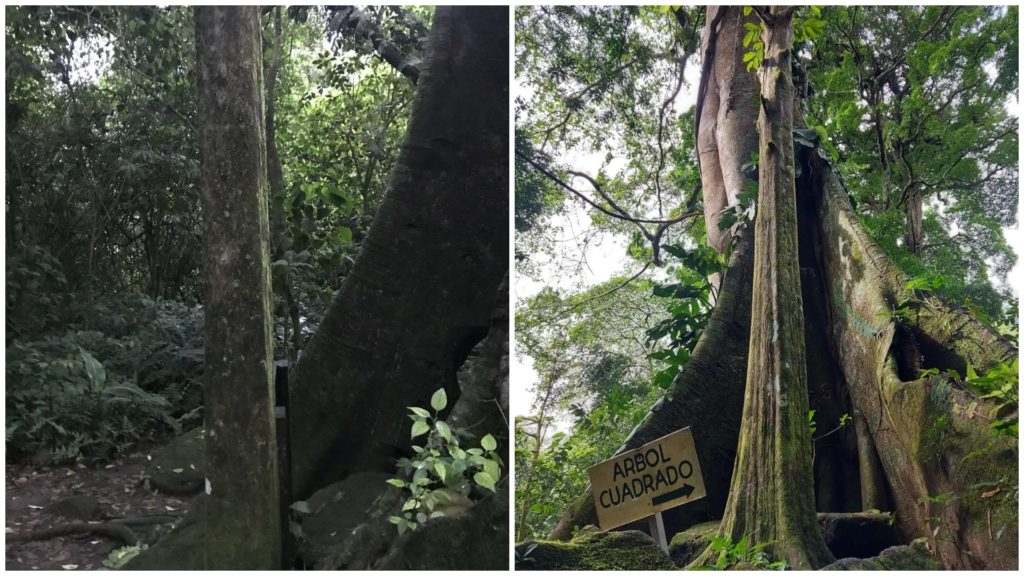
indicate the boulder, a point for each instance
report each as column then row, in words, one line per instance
column 347, row 521
column 179, row 467
column 594, row 550
column 475, row 539
column 913, row 557
column 686, row 545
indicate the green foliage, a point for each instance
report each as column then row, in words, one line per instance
column 689, row 308
column 1000, row 384
column 914, row 100
column 443, row 476
column 753, row 40
column 742, row 555
column 93, row 394
column 118, row 557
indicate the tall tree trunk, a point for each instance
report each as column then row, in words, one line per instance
column 771, row 497
column 242, row 514
column 420, row 294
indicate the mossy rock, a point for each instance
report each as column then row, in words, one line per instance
column 592, row 550
column 179, row 467
column 183, row 548
column 686, row 545
column 472, row 539
column 913, row 557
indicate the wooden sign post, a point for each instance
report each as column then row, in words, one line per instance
column 645, row 481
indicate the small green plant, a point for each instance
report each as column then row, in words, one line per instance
column 742, row 555
column 443, row 476
column 118, row 557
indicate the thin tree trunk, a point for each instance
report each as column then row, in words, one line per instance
column 420, row 294
column 242, row 514
column 915, row 213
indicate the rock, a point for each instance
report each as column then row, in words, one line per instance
column 913, row 557
column 857, row 534
column 686, row 545
column 476, row 539
column 179, row 468
column 593, row 550
column 183, row 548
column 78, row 507
column 345, row 519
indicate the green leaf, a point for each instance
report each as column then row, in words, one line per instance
column 419, row 411
column 419, row 428
column 439, row 400
column 442, row 472
column 444, row 431
column 396, row 482
column 94, row 370
column 488, row 442
column 343, row 235
column 492, row 469
column 484, row 480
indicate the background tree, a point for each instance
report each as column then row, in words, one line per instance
column 242, row 512
column 455, row 257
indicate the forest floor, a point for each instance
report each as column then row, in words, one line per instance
column 116, row 487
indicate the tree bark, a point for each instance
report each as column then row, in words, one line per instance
column 771, row 497
column 242, row 518
column 421, row 292
column 727, row 111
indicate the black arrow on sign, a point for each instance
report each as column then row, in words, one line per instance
column 685, row 491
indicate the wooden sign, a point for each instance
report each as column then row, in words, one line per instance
column 656, row 476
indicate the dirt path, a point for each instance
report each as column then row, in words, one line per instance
column 118, row 490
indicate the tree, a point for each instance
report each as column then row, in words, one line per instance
column 873, row 340
column 772, row 479
column 420, row 295
column 243, row 527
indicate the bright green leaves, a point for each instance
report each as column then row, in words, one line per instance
column 808, row 25
column 444, row 431
column 439, row 400
column 485, row 480
column 753, row 40
column 488, row 443
column 419, row 429
column 442, row 472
